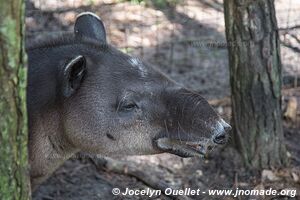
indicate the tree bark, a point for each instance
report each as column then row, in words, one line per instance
column 14, row 180
column 255, row 78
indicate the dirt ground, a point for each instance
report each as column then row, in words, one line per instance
column 175, row 40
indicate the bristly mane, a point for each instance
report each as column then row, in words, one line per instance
column 65, row 40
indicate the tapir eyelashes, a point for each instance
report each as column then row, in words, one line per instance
column 127, row 106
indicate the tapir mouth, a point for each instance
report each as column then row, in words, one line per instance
column 185, row 148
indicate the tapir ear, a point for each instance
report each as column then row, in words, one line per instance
column 89, row 25
column 73, row 75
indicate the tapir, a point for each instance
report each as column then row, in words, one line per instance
column 84, row 95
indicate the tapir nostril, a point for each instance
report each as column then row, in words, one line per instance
column 221, row 132
column 227, row 129
column 220, row 138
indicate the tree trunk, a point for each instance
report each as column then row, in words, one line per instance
column 14, row 180
column 255, row 77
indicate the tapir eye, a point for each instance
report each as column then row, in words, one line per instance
column 127, row 106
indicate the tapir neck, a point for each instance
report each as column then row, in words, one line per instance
column 48, row 148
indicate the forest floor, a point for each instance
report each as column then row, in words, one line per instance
column 187, row 43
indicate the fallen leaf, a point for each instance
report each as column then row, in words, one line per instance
column 295, row 177
column 269, row 175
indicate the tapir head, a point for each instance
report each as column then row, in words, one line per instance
column 114, row 104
